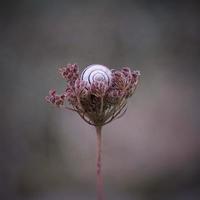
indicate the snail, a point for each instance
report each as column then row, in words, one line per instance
column 96, row 72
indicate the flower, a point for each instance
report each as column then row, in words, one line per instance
column 98, row 95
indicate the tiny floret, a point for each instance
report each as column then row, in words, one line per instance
column 99, row 95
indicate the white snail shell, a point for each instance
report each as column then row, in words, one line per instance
column 97, row 72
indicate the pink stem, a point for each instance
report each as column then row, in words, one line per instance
column 98, row 164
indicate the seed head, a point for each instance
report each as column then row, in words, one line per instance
column 99, row 95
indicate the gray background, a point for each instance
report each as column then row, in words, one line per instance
column 150, row 153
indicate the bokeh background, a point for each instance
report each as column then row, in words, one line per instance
column 150, row 153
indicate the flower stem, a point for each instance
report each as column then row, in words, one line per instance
column 98, row 164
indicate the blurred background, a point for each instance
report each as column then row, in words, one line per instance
column 150, row 153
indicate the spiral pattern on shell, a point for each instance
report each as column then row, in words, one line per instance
column 97, row 73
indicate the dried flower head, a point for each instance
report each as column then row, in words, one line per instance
column 98, row 95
